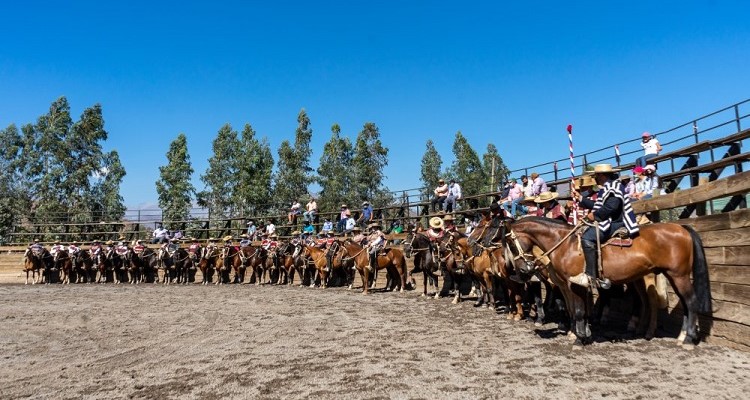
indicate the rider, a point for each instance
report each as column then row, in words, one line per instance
column 448, row 224
column 245, row 240
column 610, row 212
column 139, row 247
column 549, row 207
column 359, row 237
column 36, row 247
column 56, row 246
column 273, row 244
column 96, row 247
column 194, row 248
column 296, row 241
column 375, row 242
column 73, row 249
column 436, row 232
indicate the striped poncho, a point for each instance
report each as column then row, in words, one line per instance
column 614, row 188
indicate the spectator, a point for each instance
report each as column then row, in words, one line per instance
column 454, row 194
column 251, row 229
column 327, row 225
column 527, row 187
column 270, row 228
column 505, row 190
column 294, row 211
column 538, row 185
column 308, row 228
column 441, row 193
column 176, row 235
column 349, row 224
column 160, row 235
column 515, row 197
column 343, row 217
column 628, row 187
column 367, row 214
column 651, row 148
column 647, row 182
column 312, row 210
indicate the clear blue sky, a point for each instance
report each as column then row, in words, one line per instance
column 502, row 72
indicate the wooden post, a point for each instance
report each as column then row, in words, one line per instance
column 700, row 208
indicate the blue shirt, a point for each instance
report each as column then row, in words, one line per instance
column 328, row 226
column 308, row 229
column 367, row 213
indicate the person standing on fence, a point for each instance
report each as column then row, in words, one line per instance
column 312, row 209
column 651, row 148
column 538, row 185
column 454, row 194
column 441, row 193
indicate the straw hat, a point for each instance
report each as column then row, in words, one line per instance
column 330, row 233
column 528, row 200
column 274, row 236
column 296, row 233
column 356, row 229
column 604, row 169
column 344, row 206
column 625, row 177
column 121, row 237
column 227, row 238
column 212, row 239
column 109, row 243
column 546, row 196
column 441, row 180
column 448, row 217
column 586, row 180
column 534, row 175
column 374, row 225
column 436, row 223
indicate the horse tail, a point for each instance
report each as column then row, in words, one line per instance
column 701, row 284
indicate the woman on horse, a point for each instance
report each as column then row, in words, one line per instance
column 610, row 211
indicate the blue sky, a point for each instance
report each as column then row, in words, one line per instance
column 508, row 73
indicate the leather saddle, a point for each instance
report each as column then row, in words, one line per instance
column 619, row 238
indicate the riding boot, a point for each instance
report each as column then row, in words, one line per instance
column 590, row 256
column 373, row 261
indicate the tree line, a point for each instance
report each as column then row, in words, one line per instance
column 57, row 170
column 240, row 179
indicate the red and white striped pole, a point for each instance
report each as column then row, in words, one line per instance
column 572, row 174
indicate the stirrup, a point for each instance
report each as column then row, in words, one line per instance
column 604, row 283
column 581, row 280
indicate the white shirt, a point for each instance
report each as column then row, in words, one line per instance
column 350, row 223
column 160, row 232
column 454, row 190
column 270, row 229
column 651, row 147
column 647, row 185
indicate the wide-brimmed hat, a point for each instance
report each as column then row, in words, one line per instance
column 625, row 177
column 374, row 225
column 95, row 240
column 244, row 235
column 121, row 237
column 212, row 239
column 227, row 238
column 586, row 180
column 604, row 169
column 436, row 223
column 441, row 180
column 330, row 233
column 528, row 200
column 139, row 241
column 273, row 236
column 448, row 217
column 109, row 243
column 249, row 222
column 546, row 196
column 344, row 206
column 295, row 233
column 356, row 229
column 364, row 203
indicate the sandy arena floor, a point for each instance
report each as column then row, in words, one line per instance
column 245, row 341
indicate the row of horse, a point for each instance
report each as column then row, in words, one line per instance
column 503, row 260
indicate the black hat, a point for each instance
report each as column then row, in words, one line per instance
column 494, row 207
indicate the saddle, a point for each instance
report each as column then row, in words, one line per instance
column 121, row 250
column 620, row 238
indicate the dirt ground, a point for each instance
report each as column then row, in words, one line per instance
column 247, row 341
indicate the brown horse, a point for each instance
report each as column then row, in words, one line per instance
column 391, row 259
column 672, row 249
column 64, row 264
column 320, row 263
column 207, row 263
column 35, row 262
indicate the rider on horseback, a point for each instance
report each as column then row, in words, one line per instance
column 610, row 212
column 245, row 240
column 375, row 242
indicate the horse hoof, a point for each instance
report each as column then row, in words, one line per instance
column 455, row 301
column 537, row 323
column 688, row 346
column 681, row 338
column 422, row 295
column 572, row 336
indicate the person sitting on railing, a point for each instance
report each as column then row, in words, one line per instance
column 343, row 217
column 512, row 203
column 365, row 218
column 651, row 148
column 160, row 235
column 349, row 225
column 647, row 182
column 270, row 228
column 294, row 211
column 327, row 225
column 311, row 210
column 441, row 194
column 528, row 190
column 308, row 228
column 538, row 185
column 454, row 194
column 176, row 235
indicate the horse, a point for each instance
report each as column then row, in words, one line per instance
column 64, row 264
column 144, row 266
column 224, row 263
column 426, row 259
column 671, row 249
column 35, row 260
column 319, row 261
column 83, row 265
column 207, row 264
column 390, row 259
column 103, row 263
column 120, row 258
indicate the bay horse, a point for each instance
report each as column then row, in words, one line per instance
column 36, row 261
column 671, row 249
column 391, row 259
column 319, row 261
column 64, row 265
column 207, row 264
column 83, row 264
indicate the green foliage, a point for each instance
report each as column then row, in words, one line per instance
column 221, row 173
column 369, row 161
column 174, row 187
column 501, row 170
column 109, row 203
column 466, row 168
column 431, row 165
column 333, row 174
column 293, row 170
column 254, row 165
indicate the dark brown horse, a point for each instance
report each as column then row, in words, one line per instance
column 672, row 249
column 36, row 261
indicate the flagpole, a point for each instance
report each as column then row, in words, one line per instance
column 572, row 174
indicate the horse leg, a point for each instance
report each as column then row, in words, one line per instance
column 652, row 297
column 640, row 298
column 684, row 289
column 424, row 282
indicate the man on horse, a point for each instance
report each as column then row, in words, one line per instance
column 375, row 242
column 244, row 240
column 359, row 237
column 610, row 212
